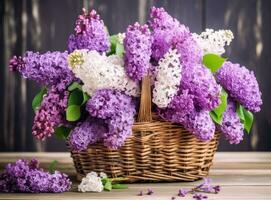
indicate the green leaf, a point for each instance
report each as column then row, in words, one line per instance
column 215, row 118
column 248, row 120
column 119, row 186
column 240, row 112
column 116, row 46
column 108, row 185
column 73, row 113
column 52, row 166
column 62, row 132
column 213, row 61
column 217, row 113
column 246, row 117
column 76, row 97
column 38, row 98
column 74, row 86
column 85, row 98
column 223, row 105
column 119, row 49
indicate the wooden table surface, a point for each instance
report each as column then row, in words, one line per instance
column 243, row 176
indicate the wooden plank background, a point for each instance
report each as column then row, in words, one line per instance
column 41, row 25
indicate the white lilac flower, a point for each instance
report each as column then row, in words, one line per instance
column 121, row 37
column 91, row 183
column 103, row 175
column 212, row 41
column 168, row 77
column 101, row 72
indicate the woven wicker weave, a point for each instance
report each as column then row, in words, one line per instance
column 157, row 151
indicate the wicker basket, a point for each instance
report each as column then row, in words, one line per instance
column 158, row 151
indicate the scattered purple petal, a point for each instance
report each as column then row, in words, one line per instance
column 217, row 189
column 200, row 196
column 183, row 192
column 150, row 191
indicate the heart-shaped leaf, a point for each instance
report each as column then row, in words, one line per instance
column 248, row 120
column 246, row 117
column 52, row 166
column 62, row 132
column 217, row 113
column 38, row 98
column 73, row 113
column 74, row 86
column 107, row 185
column 76, row 97
column 215, row 118
column 213, row 61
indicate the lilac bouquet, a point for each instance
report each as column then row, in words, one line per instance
column 91, row 91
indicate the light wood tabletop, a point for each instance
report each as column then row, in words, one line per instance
column 242, row 175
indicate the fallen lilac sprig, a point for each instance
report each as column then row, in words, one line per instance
column 204, row 187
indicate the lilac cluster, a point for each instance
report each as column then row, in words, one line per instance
column 24, row 176
column 179, row 108
column 200, row 81
column 117, row 110
column 182, row 110
column 87, row 132
column 231, row 126
column 169, row 33
column 90, row 33
column 241, row 85
column 49, row 69
column 201, row 125
column 137, row 45
column 50, row 114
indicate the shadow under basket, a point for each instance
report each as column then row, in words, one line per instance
column 157, row 151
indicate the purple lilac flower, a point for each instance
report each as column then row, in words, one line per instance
column 201, row 125
column 217, row 189
column 207, row 187
column 24, row 176
column 88, row 132
column 241, row 85
column 160, row 19
column 169, row 33
column 90, row 33
column 183, row 192
column 191, row 53
column 137, row 45
column 49, row 69
column 150, row 191
column 231, row 127
column 50, row 114
column 118, row 110
column 201, row 83
column 200, row 196
column 179, row 108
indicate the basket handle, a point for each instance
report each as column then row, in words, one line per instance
column 145, row 114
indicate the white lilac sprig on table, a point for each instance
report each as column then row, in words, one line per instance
column 94, row 182
column 91, row 91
